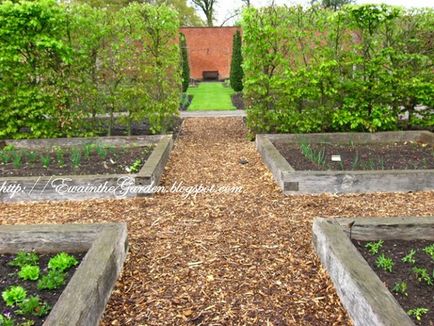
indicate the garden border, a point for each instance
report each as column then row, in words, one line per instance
column 362, row 293
column 84, row 299
column 34, row 188
column 315, row 182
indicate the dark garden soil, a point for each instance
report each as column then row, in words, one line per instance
column 9, row 277
column 237, row 101
column 109, row 160
column 419, row 293
column 397, row 156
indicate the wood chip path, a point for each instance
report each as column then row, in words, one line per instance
column 222, row 259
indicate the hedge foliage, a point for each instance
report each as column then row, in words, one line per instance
column 358, row 69
column 62, row 65
column 185, row 67
column 236, row 74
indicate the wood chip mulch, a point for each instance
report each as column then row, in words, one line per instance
column 222, row 259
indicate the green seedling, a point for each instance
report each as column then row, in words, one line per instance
column 24, row 258
column 409, row 258
column 14, row 295
column 417, row 312
column 31, row 156
column 429, row 250
column 62, row 262
column 135, row 167
column 422, row 275
column 5, row 157
column 45, row 160
column 88, row 149
column 75, row 157
column 400, row 288
column 17, row 160
column 317, row 157
column 33, row 306
column 384, row 263
column 6, row 320
column 101, row 151
column 52, row 280
column 374, row 247
column 29, row 273
column 60, row 156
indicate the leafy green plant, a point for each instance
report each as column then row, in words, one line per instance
column 17, row 160
column 317, row 157
column 52, row 280
column 75, row 157
column 236, row 73
column 33, row 306
column 31, row 156
column 384, row 263
column 6, row 320
column 422, row 275
column 88, row 149
column 60, row 156
column 401, row 288
column 24, row 258
column 417, row 313
column 62, row 262
column 101, row 151
column 5, row 157
column 429, row 250
column 45, row 160
column 409, row 258
column 135, row 167
column 14, row 295
column 374, row 247
column 29, row 273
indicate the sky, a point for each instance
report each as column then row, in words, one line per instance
column 225, row 8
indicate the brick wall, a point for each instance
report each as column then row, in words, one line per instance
column 209, row 49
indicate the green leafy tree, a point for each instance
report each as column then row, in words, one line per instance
column 236, row 74
column 184, row 62
column 33, row 68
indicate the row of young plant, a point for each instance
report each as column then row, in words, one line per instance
column 361, row 68
column 420, row 273
column 16, row 297
column 60, row 157
column 63, row 65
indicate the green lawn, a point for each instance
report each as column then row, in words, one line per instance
column 210, row 96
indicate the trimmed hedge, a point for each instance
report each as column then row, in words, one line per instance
column 61, row 65
column 357, row 69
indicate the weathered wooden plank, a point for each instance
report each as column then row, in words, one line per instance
column 362, row 293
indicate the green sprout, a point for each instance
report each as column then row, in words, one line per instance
column 45, row 160
column 409, row 258
column 75, row 157
column 422, row 275
column 401, row 288
column 374, row 247
column 417, row 312
column 429, row 250
column 384, row 263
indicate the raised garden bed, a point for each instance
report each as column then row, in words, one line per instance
column 363, row 293
column 350, row 162
column 83, row 300
column 82, row 168
column 31, row 284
